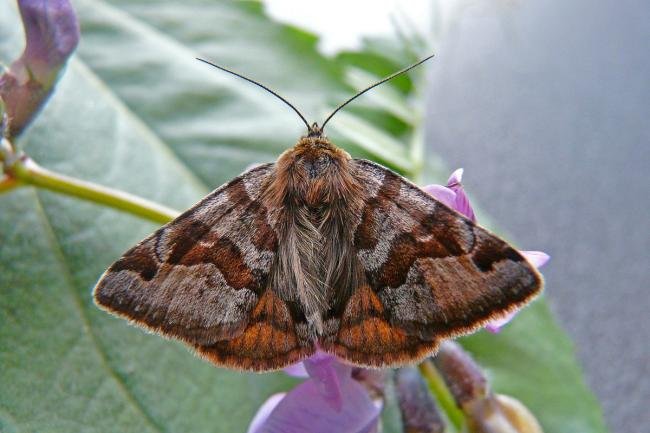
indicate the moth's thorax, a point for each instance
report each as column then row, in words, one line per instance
column 313, row 173
column 315, row 202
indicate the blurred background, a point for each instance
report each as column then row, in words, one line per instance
column 546, row 106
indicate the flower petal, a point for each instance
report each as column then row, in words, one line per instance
column 51, row 33
column 306, row 409
column 456, row 177
column 328, row 374
column 461, row 204
column 296, row 370
column 264, row 412
column 536, row 258
column 442, row 194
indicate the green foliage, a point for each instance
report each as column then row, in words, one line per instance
column 135, row 111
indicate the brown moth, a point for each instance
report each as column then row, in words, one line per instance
column 317, row 251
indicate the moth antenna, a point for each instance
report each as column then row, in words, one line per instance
column 260, row 85
column 388, row 78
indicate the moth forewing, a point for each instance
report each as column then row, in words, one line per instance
column 430, row 274
column 317, row 250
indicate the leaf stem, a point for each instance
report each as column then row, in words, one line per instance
column 24, row 171
column 440, row 390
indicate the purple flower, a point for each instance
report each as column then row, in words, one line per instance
column 330, row 400
column 453, row 195
column 51, row 35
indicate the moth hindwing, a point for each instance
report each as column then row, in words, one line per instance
column 317, row 250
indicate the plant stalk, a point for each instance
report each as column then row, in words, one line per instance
column 443, row 396
column 24, row 171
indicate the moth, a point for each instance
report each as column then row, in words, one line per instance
column 317, row 251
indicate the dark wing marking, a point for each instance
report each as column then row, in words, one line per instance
column 269, row 341
column 430, row 274
column 203, row 279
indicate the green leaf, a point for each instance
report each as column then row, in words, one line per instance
column 384, row 97
column 385, row 148
column 135, row 111
column 206, row 116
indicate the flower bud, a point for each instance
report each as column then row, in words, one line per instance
column 460, row 372
column 500, row 414
column 485, row 411
column 519, row 416
column 51, row 35
column 419, row 412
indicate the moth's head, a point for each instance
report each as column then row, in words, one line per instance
column 315, row 131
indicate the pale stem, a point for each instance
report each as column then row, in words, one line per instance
column 24, row 171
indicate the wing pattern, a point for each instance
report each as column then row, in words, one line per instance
column 203, row 278
column 430, row 274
